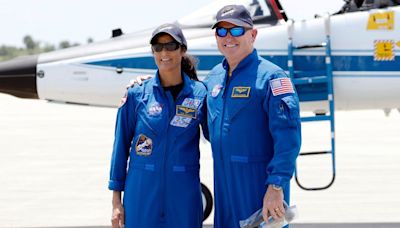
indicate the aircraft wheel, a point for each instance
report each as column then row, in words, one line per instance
column 207, row 201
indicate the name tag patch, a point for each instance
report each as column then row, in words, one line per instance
column 186, row 112
column 191, row 103
column 241, row 92
column 144, row 145
column 180, row 121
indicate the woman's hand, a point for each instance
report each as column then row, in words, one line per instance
column 118, row 217
column 118, row 212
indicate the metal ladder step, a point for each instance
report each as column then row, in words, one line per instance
column 309, row 73
column 310, row 46
column 310, row 80
column 315, row 153
column 316, row 118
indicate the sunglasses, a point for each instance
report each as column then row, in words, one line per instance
column 235, row 31
column 170, row 46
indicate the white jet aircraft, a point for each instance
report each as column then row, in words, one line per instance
column 345, row 61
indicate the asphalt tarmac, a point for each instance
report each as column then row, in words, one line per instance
column 54, row 164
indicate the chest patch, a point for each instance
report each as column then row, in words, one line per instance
column 155, row 109
column 215, row 91
column 241, row 92
column 144, row 145
column 186, row 112
column 180, row 121
column 191, row 103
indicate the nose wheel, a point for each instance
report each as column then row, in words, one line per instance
column 207, row 201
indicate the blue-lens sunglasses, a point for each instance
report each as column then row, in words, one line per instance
column 234, row 31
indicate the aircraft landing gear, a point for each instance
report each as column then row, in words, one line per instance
column 207, row 201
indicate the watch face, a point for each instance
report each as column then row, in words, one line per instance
column 276, row 187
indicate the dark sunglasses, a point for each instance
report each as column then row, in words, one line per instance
column 235, row 31
column 170, row 46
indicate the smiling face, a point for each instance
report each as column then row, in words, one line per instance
column 235, row 49
column 168, row 61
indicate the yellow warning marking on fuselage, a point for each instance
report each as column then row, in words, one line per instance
column 381, row 21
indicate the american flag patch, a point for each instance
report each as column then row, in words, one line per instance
column 281, row 86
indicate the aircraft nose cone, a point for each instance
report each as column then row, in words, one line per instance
column 18, row 77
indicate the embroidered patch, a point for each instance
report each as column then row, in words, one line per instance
column 155, row 109
column 144, row 145
column 281, row 86
column 191, row 103
column 215, row 91
column 186, row 112
column 241, row 92
column 180, row 121
column 123, row 99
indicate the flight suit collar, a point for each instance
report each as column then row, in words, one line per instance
column 186, row 84
column 244, row 63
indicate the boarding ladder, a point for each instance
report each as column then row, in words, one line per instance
column 315, row 85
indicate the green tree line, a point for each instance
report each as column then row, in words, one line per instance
column 33, row 47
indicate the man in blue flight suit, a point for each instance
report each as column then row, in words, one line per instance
column 254, row 125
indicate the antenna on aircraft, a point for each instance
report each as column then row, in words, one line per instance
column 117, row 32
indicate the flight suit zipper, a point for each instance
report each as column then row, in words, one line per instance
column 171, row 114
column 226, row 86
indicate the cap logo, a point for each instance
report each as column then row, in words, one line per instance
column 165, row 28
column 228, row 11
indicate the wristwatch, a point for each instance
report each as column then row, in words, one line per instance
column 276, row 187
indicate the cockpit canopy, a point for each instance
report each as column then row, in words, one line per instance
column 262, row 11
column 362, row 5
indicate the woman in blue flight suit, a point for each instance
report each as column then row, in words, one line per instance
column 155, row 158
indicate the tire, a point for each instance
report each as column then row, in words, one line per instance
column 207, row 201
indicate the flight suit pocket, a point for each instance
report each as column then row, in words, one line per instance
column 185, row 168
column 237, row 105
column 288, row 110
column 248, row 158
column 153, row 124
column 144, row 166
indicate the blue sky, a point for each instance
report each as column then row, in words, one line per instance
column 52, row 21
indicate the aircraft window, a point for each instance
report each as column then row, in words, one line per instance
column 205, row 16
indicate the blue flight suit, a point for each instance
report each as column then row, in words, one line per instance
column 159, row 137
column 255, row 134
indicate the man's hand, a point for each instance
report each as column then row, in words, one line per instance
column 273, row 204
column 138, row 80
column 118, row 216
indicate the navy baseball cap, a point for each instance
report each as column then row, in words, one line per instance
column 235, row 14
column 170, row 29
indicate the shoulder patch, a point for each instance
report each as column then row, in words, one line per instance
column 123, row 99
column 281, row 86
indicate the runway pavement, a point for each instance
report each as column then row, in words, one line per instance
column 54, row 161
column 311, row 225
